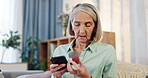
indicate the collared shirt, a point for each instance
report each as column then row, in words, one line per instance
column 99, row 59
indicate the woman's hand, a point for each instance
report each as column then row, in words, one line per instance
column 79, row 71
column 55, row 67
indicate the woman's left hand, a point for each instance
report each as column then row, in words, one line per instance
column 79, row 71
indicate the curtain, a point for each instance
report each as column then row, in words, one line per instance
column 10, row 19
column 40, row 20
column 129, row 20
column 139, row 29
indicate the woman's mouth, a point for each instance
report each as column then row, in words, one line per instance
column 82, row 36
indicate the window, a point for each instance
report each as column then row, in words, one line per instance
column 10, row 19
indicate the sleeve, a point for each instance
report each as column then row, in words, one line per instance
column 110, row 68
column 56, row 51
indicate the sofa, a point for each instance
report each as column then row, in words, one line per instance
column 15, row 74
column 125, row 70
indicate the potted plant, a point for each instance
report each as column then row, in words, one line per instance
column 29, row 53
column 63, row 17
column 12, row 39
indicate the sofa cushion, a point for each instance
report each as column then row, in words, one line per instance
column 128, row 70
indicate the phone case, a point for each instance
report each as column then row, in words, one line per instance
column 59, row 60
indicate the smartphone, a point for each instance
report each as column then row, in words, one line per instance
column 59, row 60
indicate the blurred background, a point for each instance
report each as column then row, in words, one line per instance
column 26, row 23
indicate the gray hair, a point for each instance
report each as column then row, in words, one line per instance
column 92, row 11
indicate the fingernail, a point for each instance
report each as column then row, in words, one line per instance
column 62, row 65
column 73, row 67
column 70, row 59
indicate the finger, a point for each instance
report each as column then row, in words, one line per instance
column 60, row 66
column 81, row 64
column 59, row 73
column 74, row 65
column 53, row 66
column 53, row 70
column 76, row 68
column 63, row 71
column 56, row 74
column 69, row 68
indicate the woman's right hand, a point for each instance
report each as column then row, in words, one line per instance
column 55, row 67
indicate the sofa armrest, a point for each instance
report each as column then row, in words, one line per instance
column 14, row 74
column 46, row 74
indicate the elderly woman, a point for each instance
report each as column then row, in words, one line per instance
column 97, row 60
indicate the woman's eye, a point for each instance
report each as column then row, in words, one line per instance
column 88, row 24
column 77, row 24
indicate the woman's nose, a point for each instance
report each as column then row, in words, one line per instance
column 82, row 29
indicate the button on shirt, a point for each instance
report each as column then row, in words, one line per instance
column 99, row 59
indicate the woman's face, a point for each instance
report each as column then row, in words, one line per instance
column 83, row 26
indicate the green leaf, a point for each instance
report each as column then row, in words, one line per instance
column 16, row 32
column 12, row 40
column 35, row 43
column 29, row 44
column 29, row 39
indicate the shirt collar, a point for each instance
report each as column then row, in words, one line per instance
column 90, row 48
column 69, row 48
